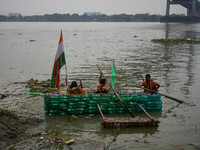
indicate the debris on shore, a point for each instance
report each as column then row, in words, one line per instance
column 11, row 126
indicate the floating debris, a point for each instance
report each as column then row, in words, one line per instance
column 175, row 41
column 41, row 86
column 2, row 96
column 174, row 115
column 32, row 40
column 69, row 142
column 74, row 116
column 87, row 117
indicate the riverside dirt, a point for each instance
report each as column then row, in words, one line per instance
column 11, row 126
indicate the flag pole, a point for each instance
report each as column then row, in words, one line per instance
column 66, row 69
column 66, row 78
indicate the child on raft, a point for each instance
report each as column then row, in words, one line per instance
column 101, row 88
column 75, row 89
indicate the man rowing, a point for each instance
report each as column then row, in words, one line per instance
column 150, row 84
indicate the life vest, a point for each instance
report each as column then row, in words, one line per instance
column 81, row 91
column 103, row 89
column 76, row 90
column 100, row 88
column 151, row 85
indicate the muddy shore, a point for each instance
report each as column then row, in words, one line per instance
column 12, row 126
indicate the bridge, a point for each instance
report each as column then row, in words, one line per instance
column 193, row 11
column 192, row 6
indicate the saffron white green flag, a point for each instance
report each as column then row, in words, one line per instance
column 113, row 74
column 58, row 63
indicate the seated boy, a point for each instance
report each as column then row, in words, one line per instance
column 75, row 89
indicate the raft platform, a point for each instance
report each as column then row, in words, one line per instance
column 129, row 122
column 63, row 104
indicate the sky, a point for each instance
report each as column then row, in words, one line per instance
column 108, row 7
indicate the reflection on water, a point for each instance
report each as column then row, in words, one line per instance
column 79, row 124
column 184, row 57
column 28, row 51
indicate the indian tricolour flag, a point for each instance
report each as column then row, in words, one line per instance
column 58, row 63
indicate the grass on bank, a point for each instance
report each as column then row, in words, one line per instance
column 175, row 41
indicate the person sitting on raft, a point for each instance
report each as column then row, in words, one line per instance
column 150, row 84
column 101, row 85
column 75, row 89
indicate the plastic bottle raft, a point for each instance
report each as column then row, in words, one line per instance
column 60, row 104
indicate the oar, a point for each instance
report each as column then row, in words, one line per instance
column 81, row 84
column 142, row 77
column 116, row 93
column 172, row 98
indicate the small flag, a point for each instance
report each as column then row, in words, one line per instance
column 113, row 74
column 58, row 63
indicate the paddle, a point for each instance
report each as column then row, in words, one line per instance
column 172, row 98
column 142, row 77
column 116, row 93
column 81, row 84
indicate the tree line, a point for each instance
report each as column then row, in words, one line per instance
column 81, row 18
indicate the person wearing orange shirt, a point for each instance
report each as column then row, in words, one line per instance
column 75, row 89
column 150, row 84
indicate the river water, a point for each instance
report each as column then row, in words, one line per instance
column 28, row 51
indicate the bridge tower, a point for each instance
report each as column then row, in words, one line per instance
column 192, row 6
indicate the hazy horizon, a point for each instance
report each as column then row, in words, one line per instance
column 108, row 7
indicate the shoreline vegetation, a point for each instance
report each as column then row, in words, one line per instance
column 41, row 86
column 175, row 41
column 86, row 17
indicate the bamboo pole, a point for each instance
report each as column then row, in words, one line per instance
column 66, row 77
column 100, row 112
column 116, row 93
column 175, row 99
column 145, row 112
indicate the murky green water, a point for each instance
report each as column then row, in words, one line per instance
column 28, row 51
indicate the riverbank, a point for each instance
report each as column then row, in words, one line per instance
column 11, row 126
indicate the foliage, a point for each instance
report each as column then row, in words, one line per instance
column 175, row 41
column 82, row 18
column 41, row 86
